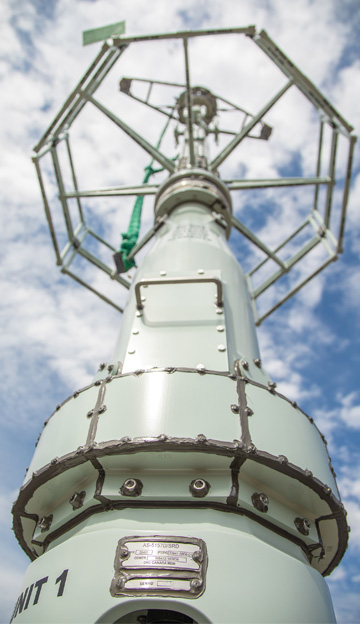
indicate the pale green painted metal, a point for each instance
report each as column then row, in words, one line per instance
column 105, row 32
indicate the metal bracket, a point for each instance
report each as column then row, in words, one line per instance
column 179, row 280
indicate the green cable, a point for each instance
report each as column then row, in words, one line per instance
column 129, row 238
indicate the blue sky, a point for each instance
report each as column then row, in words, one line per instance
column 54, row 333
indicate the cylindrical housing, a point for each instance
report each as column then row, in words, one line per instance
column 180, row 479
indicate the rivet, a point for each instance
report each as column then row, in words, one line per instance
column 235, row 408
column 201, row 368
column 131, row 487
column 90, row 413
column 303, row 525
column 221, row 347
column 199, row 488
column 271, row 385
column 220, row 328
column 248, row 411
column 138, row 313
column 260, row 501
column 201, row 271
column 102, row 366
column 135, row 331
column 143, row 299
column 162, row 273
column 131, row 351
column 257, row 362
column 219, row 310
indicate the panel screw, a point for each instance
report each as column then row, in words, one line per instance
column 260, row 502
column 77, row 499
column 198, row 556
column 120, row 583
column 257, row 362
column 124, row 553
column 199, row 488
column 303, row 525
column 162, row 273
column 135, row 331
column 235, row 408
column 131, row 487
column 201, row 271
column 45, row 523
column 221, row 347
column 195, row 585
column 220, row 328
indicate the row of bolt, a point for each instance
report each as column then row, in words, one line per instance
column 198, row 488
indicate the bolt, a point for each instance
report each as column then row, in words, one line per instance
column 235, row 408
column 102, row 366
column 131, row 487
column 271, row 385
column 260, row 502
column 77, row 499
column 245, row 364
column 257, row 362
column 199, row 488
column 45, row 523
column 219, row 310
column 90, row 413
column 201, row 368
column 303, row 525
column 248, row 411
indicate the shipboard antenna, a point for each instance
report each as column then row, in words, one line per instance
column 212, row 481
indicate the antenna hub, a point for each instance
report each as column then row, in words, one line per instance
column 200, row 97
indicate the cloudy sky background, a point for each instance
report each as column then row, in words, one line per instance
column 55, row 333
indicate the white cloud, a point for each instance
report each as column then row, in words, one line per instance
column 56, row 331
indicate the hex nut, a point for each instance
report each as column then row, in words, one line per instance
column 260, row 501
column 45, row 523
column 131, row 487
column 199, row 488
column 77, row 499
column 303, row 525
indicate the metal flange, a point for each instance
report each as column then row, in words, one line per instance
column 195, row 185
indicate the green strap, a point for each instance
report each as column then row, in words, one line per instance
column 129, row 238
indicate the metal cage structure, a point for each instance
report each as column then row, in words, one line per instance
column 324, row 223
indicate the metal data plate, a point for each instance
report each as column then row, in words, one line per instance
column 160, row 566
